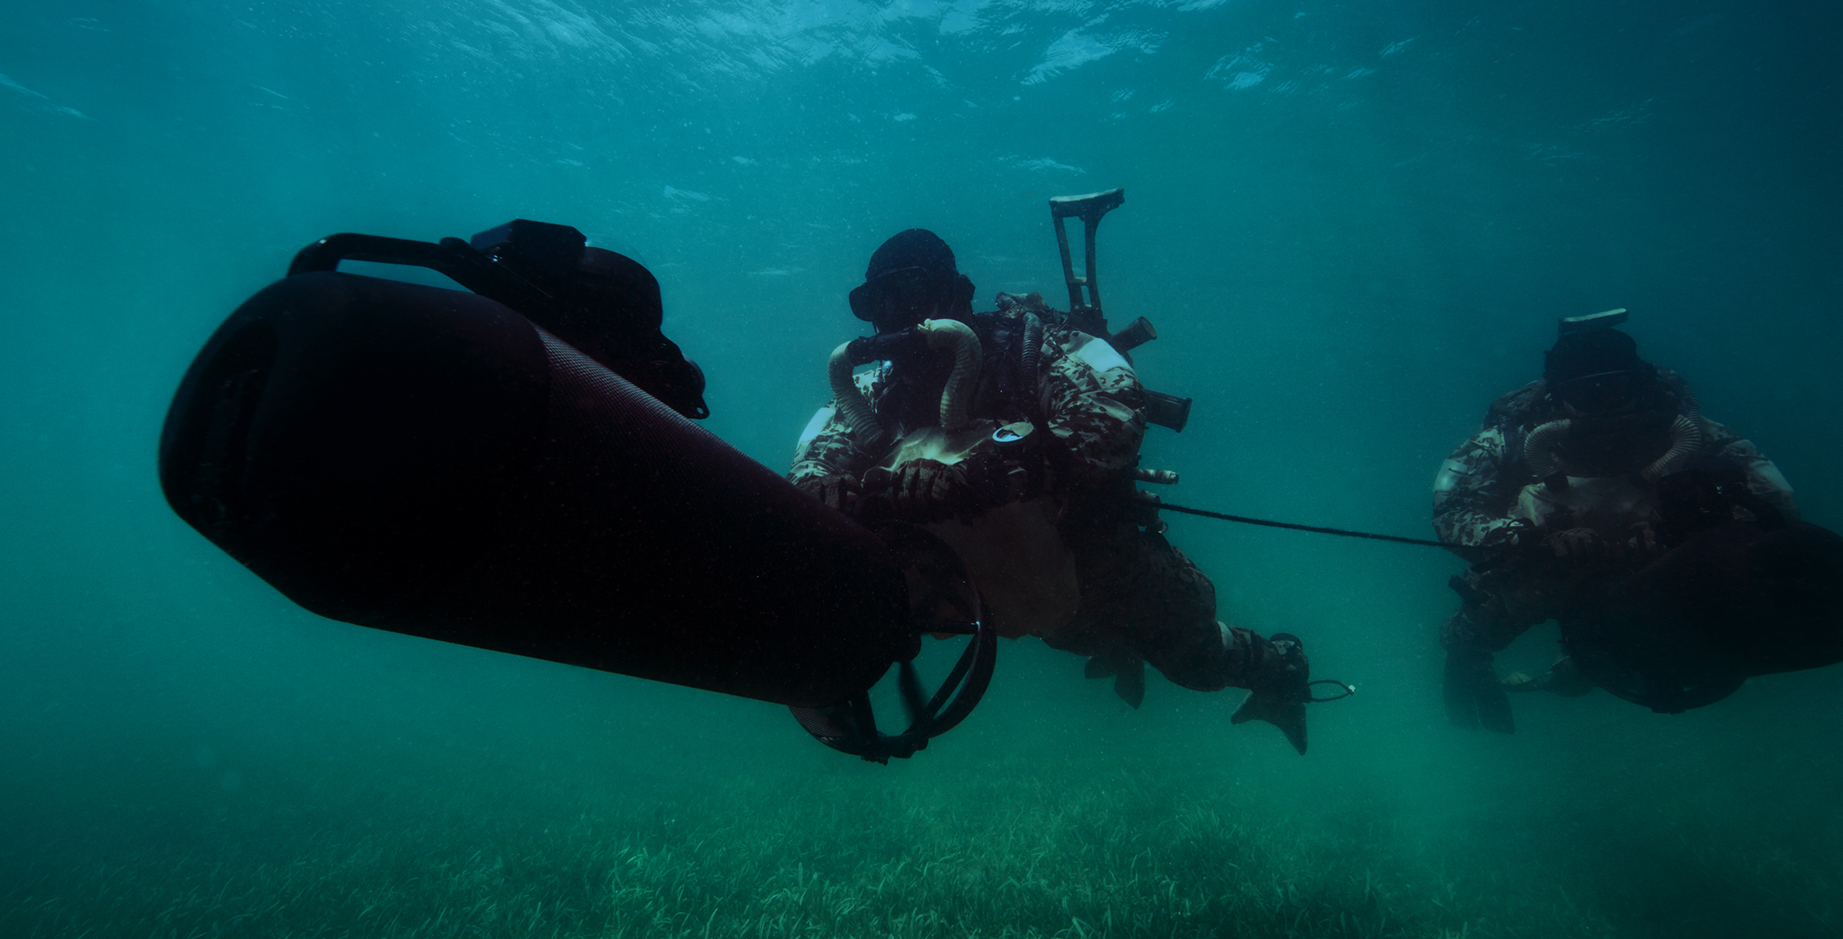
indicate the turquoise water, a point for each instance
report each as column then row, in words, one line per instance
column 1353, row 224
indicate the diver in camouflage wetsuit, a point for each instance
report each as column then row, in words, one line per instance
column 1556, row 499
column 1140, row 599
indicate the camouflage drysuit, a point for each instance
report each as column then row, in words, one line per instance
column 1141, row 599
column 1481, row 503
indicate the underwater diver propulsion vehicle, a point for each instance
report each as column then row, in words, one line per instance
column 515, row 468
column 1732, row 599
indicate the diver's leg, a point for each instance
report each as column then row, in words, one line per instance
column 1109, row 656
column 1139, row 588
column 1132, row 584
column 1182, row 638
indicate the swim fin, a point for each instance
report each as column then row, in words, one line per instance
column 1288, row 714
column 1129, row 682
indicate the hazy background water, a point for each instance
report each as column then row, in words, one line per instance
column 1354, row 225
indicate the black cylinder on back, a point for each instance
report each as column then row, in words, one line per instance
column 429, row 462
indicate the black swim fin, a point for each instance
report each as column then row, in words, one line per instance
column 1288, row 714
column 1129, row 682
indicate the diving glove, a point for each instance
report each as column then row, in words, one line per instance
column 924, row 491
column 920, row 491
column 837, row 491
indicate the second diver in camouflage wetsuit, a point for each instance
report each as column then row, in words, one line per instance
column 1139, row 598
column 1557, row 499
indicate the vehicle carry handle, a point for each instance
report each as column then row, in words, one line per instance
column 452, row 258
column 1089, row 209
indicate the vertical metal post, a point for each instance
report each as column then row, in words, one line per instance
column 1068, row 266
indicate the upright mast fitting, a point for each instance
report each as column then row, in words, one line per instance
column 1084, row 314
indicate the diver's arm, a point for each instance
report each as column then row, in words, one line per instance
column 1763, row 476
column 1092, row 404
column 1472, row 501
column 827, row 449
column 829, row 452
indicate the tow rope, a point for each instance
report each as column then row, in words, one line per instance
column 1167, row 507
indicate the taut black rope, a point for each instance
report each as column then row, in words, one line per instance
column 1167, row 507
